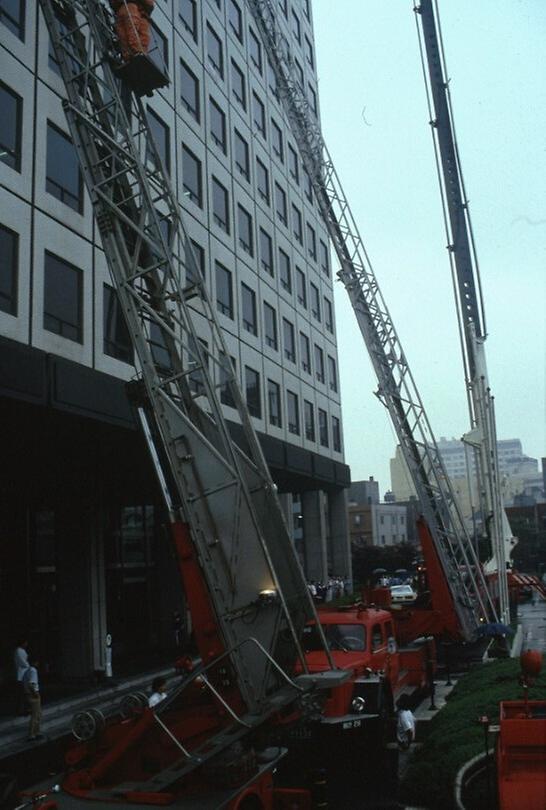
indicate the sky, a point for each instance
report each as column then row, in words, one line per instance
column 375, row 124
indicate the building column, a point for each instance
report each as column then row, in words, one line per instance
column 315, row 535
column 340, row 544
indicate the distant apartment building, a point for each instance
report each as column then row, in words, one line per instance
column 364, row 492
column 378, row 524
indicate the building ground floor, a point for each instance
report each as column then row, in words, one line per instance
column 84, row 549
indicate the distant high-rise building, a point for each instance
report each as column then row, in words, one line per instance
column 364, row 492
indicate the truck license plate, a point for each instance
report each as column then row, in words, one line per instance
column 352, row 724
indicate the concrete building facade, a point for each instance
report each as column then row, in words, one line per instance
column 82, row 547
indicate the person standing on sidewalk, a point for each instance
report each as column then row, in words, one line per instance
column 34, row 703
column 20, row 663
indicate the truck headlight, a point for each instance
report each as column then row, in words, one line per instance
column 358, row 704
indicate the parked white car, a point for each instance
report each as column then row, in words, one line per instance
column 403, row 593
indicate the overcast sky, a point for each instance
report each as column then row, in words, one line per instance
column 375, row 123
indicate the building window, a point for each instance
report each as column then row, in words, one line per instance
column 235, row 19
column 305, row 353
column 323, row 427
column 262, row 180
column 297, row 227
column 9, row 262
column 328, row 315
column 296, row 26
column 12, row 15
column 311, row 242
column 159, row 50
column 274, row 402
column 271, row 79
column 248, row 300
column 293, row 411
column 224, row 290
column 220, row 205
column 293, row 166
column 242, row 160
column 299, row 72
column 280, row 204
column 266, row 252
column 214, row 51
column 301, row 288
column 195, row 377
column 309, row 420
column 244, row 222
column 319, row 363
column 191, row 176
column 217, row 125
column 309, row 53
column 189, row 90
column 308, row 188
column 307, row 9
column 226, row 396
column 253, row 399
column 315, row 303
column 276, row 141
column 10, row 127
column 258, row 114
column 62, row 298
column 332, row 373
column 284, row 271
column 116, row 338
column 270, row 326
column 289, row 341
column 336, row 434
column 324, row 259
column 312, row 99
column 284, row 7
column 238, row 85
column 63, row 174
column 188, row 14
column 194, row 256
column 255, row 51
column 158, row 346
column 161, row 135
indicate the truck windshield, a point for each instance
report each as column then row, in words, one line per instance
column 346, row 637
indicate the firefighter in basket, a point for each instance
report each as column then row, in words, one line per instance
column 133, row 26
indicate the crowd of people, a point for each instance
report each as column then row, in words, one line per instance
column 331, row 590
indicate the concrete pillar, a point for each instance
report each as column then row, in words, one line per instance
column 315, row 535
column 340, row 544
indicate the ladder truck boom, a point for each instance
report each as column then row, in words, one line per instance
column 482, row 436
column 396, row 387
column 245, row 588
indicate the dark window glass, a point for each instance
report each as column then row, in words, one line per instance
column 255, row 50
column 244, row 224
column 336, row 434
column 323, row 427
column 293, row 166
column 309, row 420
column 161, row 136
column 319, row 363
column 309, row 53
column 188, row 14
column 280, row 204
column 11, row 107
column 328, row 315
column 253, row 399
column 238, row 84
column 274, row 401
column 332, row 373
column 62, row 298
column 224, row 290
column 116, row 338
column 12, row 15
column 214, row 51
column 262, row 180
column 307, row 9
column 63, row 174
column 226, row 396
column 311, row 242
column 301, row 288
column 158, row 347
column 258, row 114
column 235, row 19
column 284, row 271
column 195, row 261
column 305, row 353
column 195, row 377
column 270, row 326
column 315, row 303
column 242, row 160
column 296, row 27
column 191, row 176
column 248, row 302
column 299, row 72
column 271, row 78
column 276, row 141
column 312, row 99
column 293, row 411
column 324, row 258
column 9, row 262
column 284, row 7
column 220, row 205
column 289, row 341
column 159, row 49
column 266, row 252
column 217, row 125
column 189, row 90
column 308, row 187
column 297, row 227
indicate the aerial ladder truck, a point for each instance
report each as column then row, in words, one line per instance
column 245, row 589
column 482, row 436
column 461, row 601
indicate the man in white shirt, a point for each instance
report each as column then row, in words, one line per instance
column 405, row 726
column 159, row 691
column 20, row 664
column 32, row 692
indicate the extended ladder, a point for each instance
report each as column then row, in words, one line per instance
column 396, row 388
